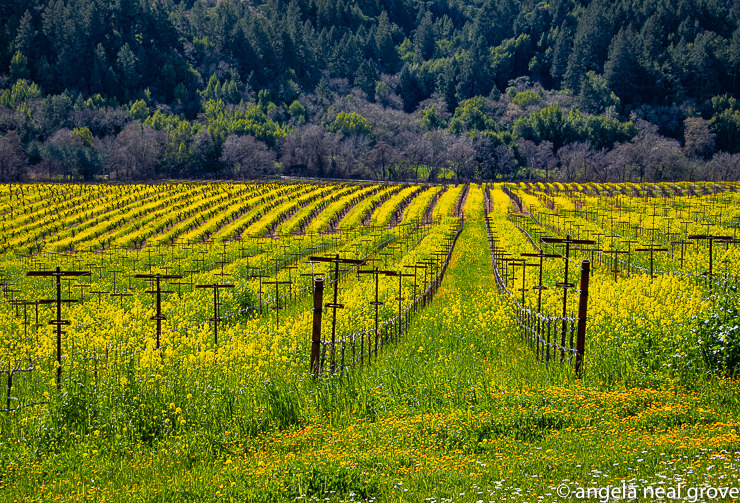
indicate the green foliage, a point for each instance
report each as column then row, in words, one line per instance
column 726, row 125
column 430, row 119
column 596, row 97
column 168, row 122
column 21, row 92
column 82, row 136
column 96, row 101
column 222, row 122
column 297, row 111
column 550, row 124
column 723, row 103
column 216, row 90
column 526, row 98
column 19, row 67
column 127, row 65
column 471, row 116
column 350, row 124
column 386, row 49
column 181, row 93
column 139, row 111
column 546, row 125
column 606, row 59
column 599, row 130
column 718, row 335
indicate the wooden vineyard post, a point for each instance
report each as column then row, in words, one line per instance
column 542, row 255
column 582, row 314
column 615, row 267
column 565, row 285
column 400, row 297
column 277, row 307
column 711, row 240
column 377, row 304
column 524, row 288
column 652, row 249
column 683, row 245
column 318, row 296
column 415, row 267
column 334, row 305
column 58, row 321
column 216, row 307
column 158, row 292
column 260, row 277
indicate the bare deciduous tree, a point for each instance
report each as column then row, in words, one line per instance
column 537, row 156
column 13, row 160
column 353, row 150
column 417, row 148
column 461, row 158
column 505, row 160
column 699, row 139
column 135, row 152
column 724, row 166
column 309, row 150
column 246, row 157
column 573, row 160
column 381, row 158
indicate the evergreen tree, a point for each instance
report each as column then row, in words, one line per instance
column 408, row 89
column 19, row 68
column 622, row 71
column 424, row 38
column 365, row 77
column 386, row 49
column 45, row 75
column 127, row 66
column 447, row 84
column 25, row 38
column 734, row 56
column 590, row 45
column 98, row 71
column 563, row 44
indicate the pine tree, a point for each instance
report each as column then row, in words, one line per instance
column 45, row 75
column 590, row 45
column 97, row 73
column 447, row 83
column 19, row 68
column 424, row 38
column 622, row 69
column 408, row 89
column 563, row 44
column 24, row 39
column 734, row 56
column 386, row 50
column 365, row 77
column 127, row 66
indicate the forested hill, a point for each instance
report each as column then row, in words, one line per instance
column 497, row 88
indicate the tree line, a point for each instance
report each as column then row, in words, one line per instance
column 390, row 89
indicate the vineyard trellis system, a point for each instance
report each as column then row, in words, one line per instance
column 113, row 357
column 386, row 332
column 260, row 286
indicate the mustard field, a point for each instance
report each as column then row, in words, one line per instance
column 295, row 341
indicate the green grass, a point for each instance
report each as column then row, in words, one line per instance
column 459, row 410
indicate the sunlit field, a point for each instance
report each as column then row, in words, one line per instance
column 369, row 342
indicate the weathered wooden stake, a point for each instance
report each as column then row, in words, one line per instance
column 318, row 300
column 582, row 313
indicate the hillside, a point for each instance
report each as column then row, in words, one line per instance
column 501, row 89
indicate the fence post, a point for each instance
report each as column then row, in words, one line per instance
column 318, row 299
column 582, row 313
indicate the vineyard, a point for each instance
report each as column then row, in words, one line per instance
column 365, row 342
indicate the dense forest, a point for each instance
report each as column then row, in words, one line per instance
column 391, row 89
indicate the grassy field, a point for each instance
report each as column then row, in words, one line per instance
column 459, row 410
